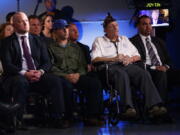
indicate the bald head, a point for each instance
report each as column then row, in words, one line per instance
column 73, row 32
column 20, row 23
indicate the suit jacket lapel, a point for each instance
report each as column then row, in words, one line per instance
column 16, row 45
column 141, row 44
column 32, row 46
column 155, row 43
column 158, row 48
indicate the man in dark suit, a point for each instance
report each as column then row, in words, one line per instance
column 26, row 63
column 155, row 56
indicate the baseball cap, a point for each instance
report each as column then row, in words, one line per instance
column 60, row 24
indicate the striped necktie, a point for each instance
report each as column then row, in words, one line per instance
column 152, row 55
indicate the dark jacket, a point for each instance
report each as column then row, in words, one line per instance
column 159, row 44
column 86, row 52
column 67, row 60
column 12, row 59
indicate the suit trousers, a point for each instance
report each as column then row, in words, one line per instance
column 19, row 87
column 160, row 80
column 91, row 87
column 122, row 77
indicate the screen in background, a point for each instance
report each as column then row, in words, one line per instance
column 160, row 17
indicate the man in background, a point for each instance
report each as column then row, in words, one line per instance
column 73, row 38
column 51, row 10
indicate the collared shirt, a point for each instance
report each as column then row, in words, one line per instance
column 103, row 47
column 67, row 60
column 148, row 60
column 24, row 63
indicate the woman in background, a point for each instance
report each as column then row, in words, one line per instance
column 6, row 29
column 47, row 22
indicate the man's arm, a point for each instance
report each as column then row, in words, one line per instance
column 45, row 63
column 9, row 57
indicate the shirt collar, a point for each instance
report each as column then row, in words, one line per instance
column 144, row 37
column 107, row 39
column 19, row 35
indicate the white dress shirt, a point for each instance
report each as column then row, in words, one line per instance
column 148, row 60
column 24, row 63
column 103, row 47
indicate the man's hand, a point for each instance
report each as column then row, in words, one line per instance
column 33, row 75
column 89, row 67
column 126, row 60
column 162, row 68
column 120, row 57
column 73, row 78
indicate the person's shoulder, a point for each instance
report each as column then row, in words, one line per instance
column 34, row 37
column 100, row 39
column 82, row 45
column 157, row 39
column 37, row 40
column 123, row 38
column 72, row 45
column 135, row 38
column 9, row 38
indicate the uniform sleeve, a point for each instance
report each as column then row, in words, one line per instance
column 82, row 66
column 96, row 51
column 55, row 69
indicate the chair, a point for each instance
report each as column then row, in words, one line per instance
column 113, row 103
column 114, row 106
column 37, row 110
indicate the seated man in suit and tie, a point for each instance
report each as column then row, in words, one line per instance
column 153, row 53
column 26, row 64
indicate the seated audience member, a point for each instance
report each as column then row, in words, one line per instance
column 35, row 25
column 68, row 63
column 51, row 10
column 73, row 38
column 35, row 28
column 47, row 23
column 6, row 30
column 9, row 17
column 153, row 52
column 26, row 64
column 113, row 48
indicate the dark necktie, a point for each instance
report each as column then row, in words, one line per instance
column 27, row 55
column 115, row 45
column 152, row 55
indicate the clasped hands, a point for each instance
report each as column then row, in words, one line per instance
column 125, row 59
column 33, row 75
column 73, row 78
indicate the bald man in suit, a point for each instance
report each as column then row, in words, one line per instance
column 26, row 64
